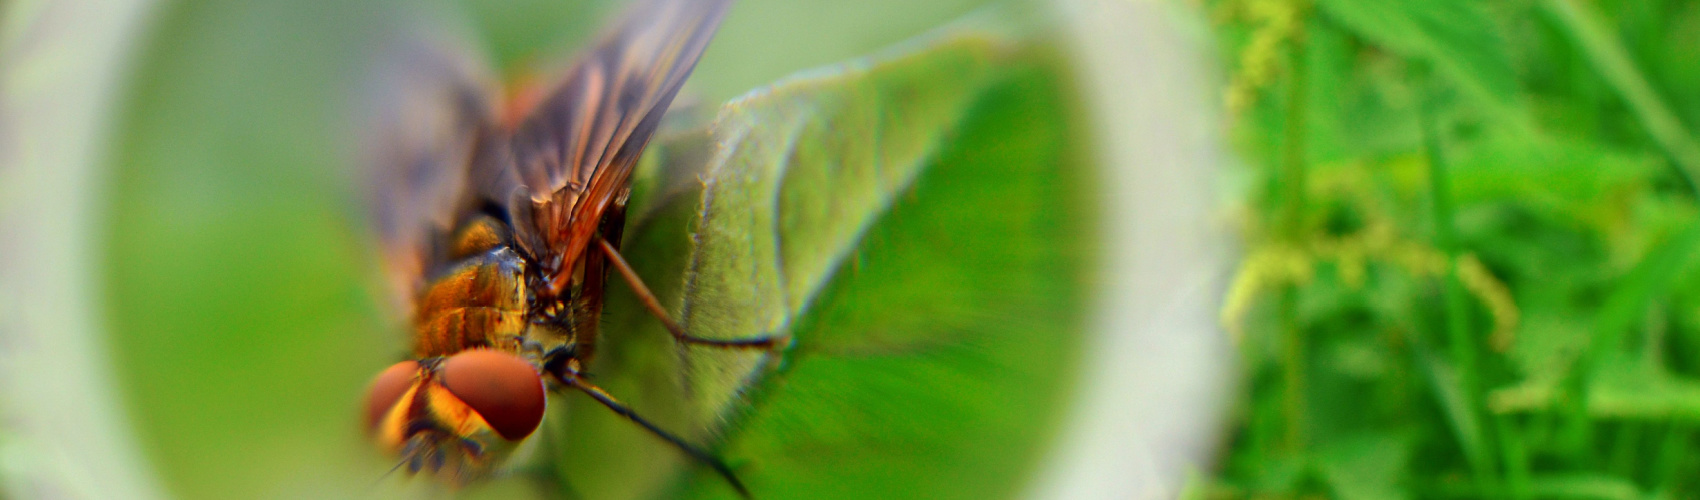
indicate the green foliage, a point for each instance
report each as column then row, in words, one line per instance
column 1456, row 36
column 848, row 208
column 1490, row 290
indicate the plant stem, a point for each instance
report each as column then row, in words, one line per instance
column 1465, row 349
column 1293, row 366
column 1293, row 175
column 1292, row 181
column 1515, row 456
column 1673, row 453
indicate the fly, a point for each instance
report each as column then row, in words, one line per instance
column 500, row 225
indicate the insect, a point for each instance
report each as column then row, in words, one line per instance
column 500, row 226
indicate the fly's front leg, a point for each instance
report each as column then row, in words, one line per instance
column 767, row 341
column 566, row 371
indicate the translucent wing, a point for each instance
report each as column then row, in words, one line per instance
column 431, row 112
column 575, row 153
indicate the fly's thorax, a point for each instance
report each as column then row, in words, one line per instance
column 479, row 298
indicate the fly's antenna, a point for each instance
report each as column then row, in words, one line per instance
column 408, row 455
column 380, row 480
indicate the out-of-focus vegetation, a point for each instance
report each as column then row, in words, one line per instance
column 1471, row 247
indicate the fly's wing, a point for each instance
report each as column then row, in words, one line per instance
column 431, row 114
column 576, row 151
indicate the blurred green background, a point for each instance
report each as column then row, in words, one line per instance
column 1471, row 249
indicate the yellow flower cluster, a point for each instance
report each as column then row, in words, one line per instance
column 1278, row 24
column 1273, row 263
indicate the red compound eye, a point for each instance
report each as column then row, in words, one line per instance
column 501, row 387
column 387, row 389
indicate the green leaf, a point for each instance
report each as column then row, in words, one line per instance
column 916, row 220
column 1367, row 466
column 1574, row 177
column 1608, row 56
column 1650, row 280
column 1543, row 358
column 1565, row 486
column 1459, row 412
column 1455, row 36
column 1583, row 486
column 1623, row 387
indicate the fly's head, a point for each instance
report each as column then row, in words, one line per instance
column 457, row 416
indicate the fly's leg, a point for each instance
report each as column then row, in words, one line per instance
column 678, row 332
column 567, row 372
